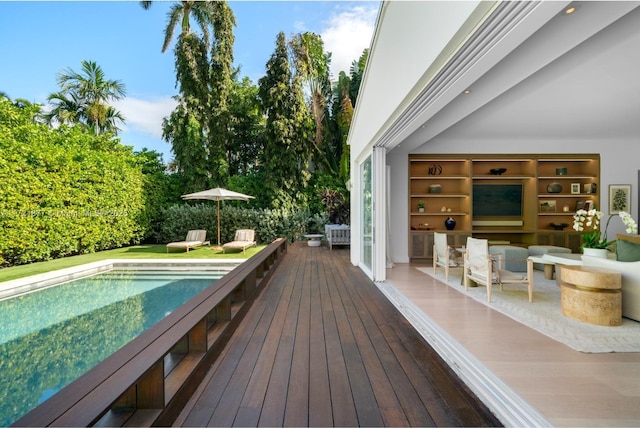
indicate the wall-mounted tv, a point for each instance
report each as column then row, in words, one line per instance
column 497, row 200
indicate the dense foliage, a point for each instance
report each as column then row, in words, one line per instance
column 268, row 224
column 77, row 189
column 64, row 191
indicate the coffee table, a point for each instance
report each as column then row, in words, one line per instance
column 551, row 260
column 314, row 239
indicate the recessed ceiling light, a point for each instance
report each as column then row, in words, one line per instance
column 569, row 10
column 467, row 91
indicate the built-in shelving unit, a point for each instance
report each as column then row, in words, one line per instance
column 553, row 187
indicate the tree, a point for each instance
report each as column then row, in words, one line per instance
column 84, row 98
column 181, row 12
column 285, row 158
column 312, row 65
column 220, row 87
column 246, row 128
column 344, row 115
column 357, row 70
column 198, row 128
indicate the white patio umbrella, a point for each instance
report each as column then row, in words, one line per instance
column 218, row 194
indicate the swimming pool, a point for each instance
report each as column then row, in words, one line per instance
column 52, row 336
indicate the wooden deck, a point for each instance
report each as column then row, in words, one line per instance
column 321, row 346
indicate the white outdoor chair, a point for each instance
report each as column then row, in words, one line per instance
column 486, row 269
column 443, row 254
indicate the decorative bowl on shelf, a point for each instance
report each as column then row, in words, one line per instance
column 559, row 226
column 554, row 188
column 435, row 188
column 423, row 226
column 497, row 171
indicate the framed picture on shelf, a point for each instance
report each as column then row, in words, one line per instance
column 589, row 205
column 619, row 198
column 547, row 206
column 575, row 188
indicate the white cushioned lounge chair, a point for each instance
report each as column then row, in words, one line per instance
column 195, row 238
column 244, row 239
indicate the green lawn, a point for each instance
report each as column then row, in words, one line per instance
column 135, row 252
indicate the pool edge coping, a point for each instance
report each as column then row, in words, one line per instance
column 31, row 283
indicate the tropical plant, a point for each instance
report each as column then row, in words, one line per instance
column 84, row 97
column 312, row 65
column 337, row 206
column 181, row 12
column 198, row 128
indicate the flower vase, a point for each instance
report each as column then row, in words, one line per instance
column 595, row 252
column 450, row 223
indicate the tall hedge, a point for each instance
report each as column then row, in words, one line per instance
column 63, row 191
column 268, row 224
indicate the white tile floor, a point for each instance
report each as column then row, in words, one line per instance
column 568, row 388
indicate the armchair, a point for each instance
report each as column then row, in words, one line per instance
column 487, row 269
column 442, row 254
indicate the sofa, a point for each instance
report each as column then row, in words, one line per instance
column 630, row 270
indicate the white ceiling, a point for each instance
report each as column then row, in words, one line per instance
column 590, row 91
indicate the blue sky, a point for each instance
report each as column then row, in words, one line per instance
column 40, row 39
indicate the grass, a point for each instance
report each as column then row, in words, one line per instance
column 134, row 252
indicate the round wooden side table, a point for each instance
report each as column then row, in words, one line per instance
column 592, row 295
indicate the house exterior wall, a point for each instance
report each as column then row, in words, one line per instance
column 392, row 82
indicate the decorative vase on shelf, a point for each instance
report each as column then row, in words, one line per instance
column 450, row 223
column 595, row 252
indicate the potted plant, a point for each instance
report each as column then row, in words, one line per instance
column 594, row 242
column 421, row 206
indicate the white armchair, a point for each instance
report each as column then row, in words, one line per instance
column 487, row 269
column 443, row 255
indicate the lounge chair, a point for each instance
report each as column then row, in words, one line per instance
column 244, row 239
column 195, row 238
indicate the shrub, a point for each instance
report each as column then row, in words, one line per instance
column 63, row 191
column 269, row 224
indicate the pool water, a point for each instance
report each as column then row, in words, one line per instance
column 51, row 337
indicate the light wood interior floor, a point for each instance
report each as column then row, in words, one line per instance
column 569, row 388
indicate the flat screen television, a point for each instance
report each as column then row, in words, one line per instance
column 497, row 200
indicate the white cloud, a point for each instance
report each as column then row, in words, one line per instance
column 145, row 116
column 347, row 34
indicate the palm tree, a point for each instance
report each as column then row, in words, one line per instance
column 84, row 98
column 202, row 12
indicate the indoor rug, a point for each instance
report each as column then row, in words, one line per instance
column 545, row 316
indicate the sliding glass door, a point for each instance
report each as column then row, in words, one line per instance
column 366, row 216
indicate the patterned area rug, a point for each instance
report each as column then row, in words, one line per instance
column 544, row 314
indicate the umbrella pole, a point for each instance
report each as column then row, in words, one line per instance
column 218, row 222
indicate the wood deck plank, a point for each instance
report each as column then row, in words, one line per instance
column 297, row 407
column 398, row 386
column 328, row 349
column 320, row 411
column 275, row 401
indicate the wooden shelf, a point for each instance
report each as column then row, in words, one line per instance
column 457, row 173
